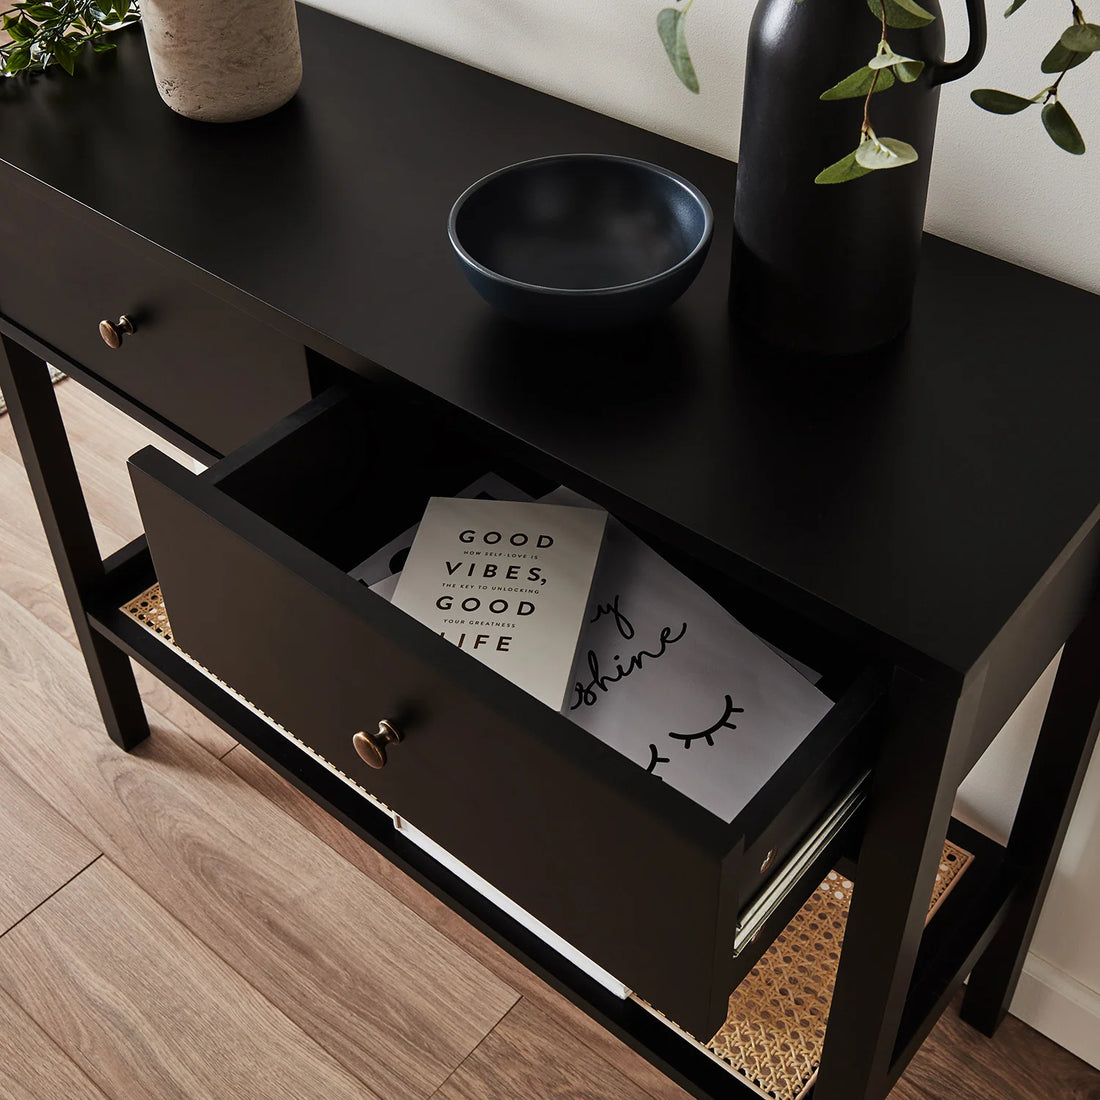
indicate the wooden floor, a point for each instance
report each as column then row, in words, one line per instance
column 180, row 922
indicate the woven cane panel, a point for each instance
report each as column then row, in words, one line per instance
column 148, row 610
column 775, row 1030
column 952, row 864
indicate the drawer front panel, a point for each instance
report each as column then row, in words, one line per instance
column 647, row 884
column 579, row 837
column 194, row 361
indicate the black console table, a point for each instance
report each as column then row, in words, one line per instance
column 922, row 523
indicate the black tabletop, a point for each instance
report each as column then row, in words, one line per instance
column 915, row 497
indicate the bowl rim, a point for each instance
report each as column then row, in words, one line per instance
column 686, row 185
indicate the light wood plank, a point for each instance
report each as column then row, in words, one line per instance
column 96, row 426
column 102, row 438
column 146, row 1010
column 533, row 990
column 179, row 713
column 529, row 1054
column 1016, row 1064
column 28, row 573
column 29, row 577
column 41, row 851
column 393, row 1000
column 32, row 1067
column 112, row 515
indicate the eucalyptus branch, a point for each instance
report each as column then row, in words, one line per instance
column 54, row 32
column 1076, row 44
column 866, row 127
column 880, row 73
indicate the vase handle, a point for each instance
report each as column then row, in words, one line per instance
column 944, row 72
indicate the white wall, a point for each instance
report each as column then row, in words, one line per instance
column 998, row 184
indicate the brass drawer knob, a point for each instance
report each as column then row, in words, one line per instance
column 113, row 333
column 372, row 746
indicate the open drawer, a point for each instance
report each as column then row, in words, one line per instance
column 252, row 557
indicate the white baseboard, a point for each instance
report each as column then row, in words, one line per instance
column 1059, row 1006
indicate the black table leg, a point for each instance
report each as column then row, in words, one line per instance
column 40, row 432
column 910, row 807
column 1062, row 755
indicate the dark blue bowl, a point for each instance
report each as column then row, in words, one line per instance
column 581, row 241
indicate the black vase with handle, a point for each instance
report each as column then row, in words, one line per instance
column 830, row 268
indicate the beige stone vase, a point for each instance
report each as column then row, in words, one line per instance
column 223, row 60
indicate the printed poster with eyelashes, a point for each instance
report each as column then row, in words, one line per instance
column 666, row 676
column 663, row 673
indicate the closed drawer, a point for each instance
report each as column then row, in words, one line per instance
column 252, row 558
column 194, row 361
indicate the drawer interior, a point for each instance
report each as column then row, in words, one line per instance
column 348, row 480
column 610, row 857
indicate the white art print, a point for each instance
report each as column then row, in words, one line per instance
column 665, row 675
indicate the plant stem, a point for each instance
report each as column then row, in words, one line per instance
column 865, row 128
column 867, row 106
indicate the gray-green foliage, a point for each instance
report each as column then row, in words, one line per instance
column 880, row 73
column 670, row 26
column 875, row 154
column 54, row 32
column 1076, row 44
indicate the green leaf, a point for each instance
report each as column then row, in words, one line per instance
column 1061, row 128
column 12, row 26
column 1015, row 6
column 904, row 14
column 21, row 29
column 1081, row 38
column 43, row 13
column 102, row 45
column 858, row 84
column 1000, row 103
column 885, row 58
column 844, row 170
column 670, row 26
column 17, row 60
column 1060, row 59
column 65, row 52
column 908, row 71
column 875, row 153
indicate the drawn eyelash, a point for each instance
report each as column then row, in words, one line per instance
column 708, row 734
column 656, row 759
